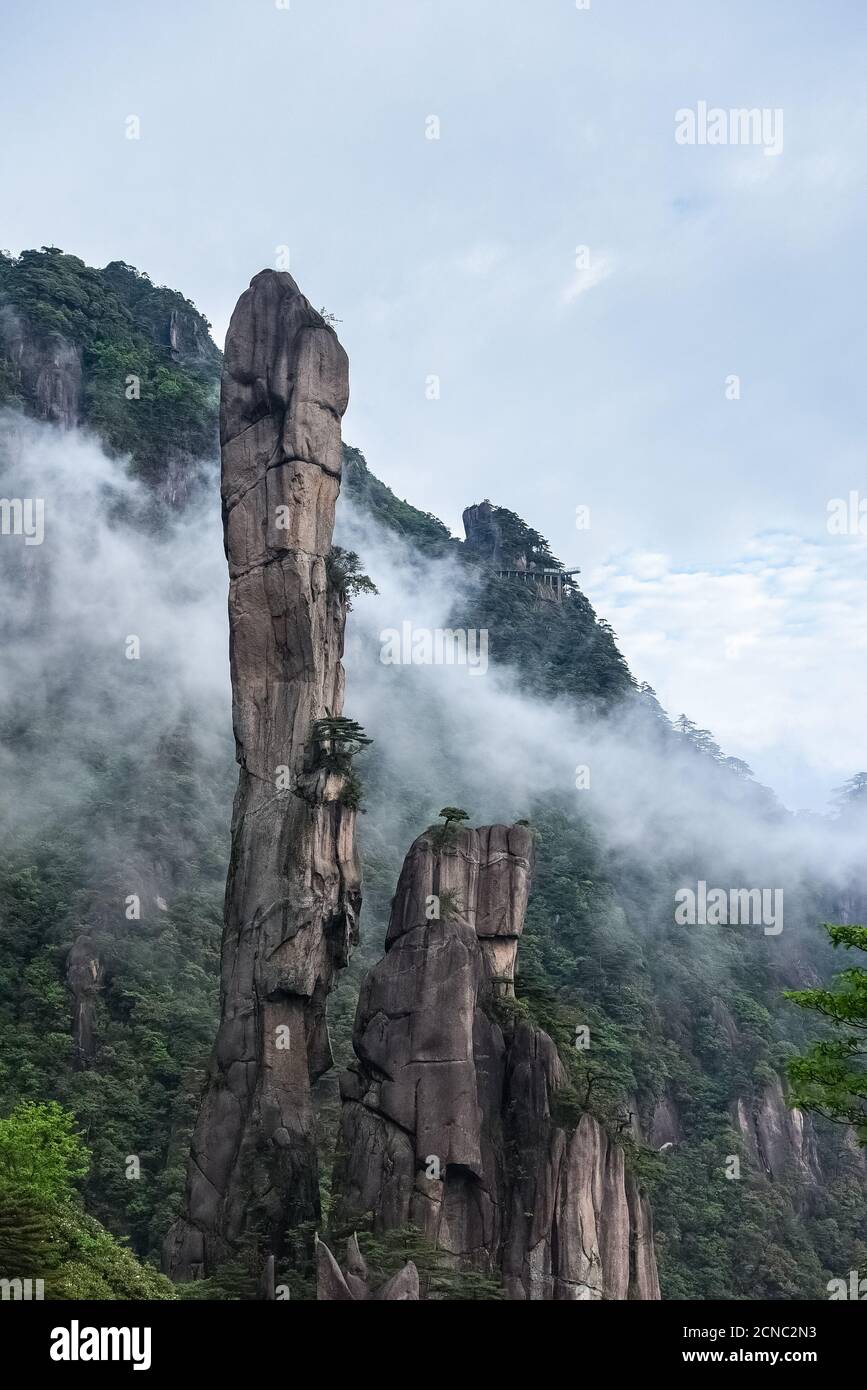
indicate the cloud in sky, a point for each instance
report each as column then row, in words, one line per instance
column 587, row 278
column 768, row 653
column 452, row 256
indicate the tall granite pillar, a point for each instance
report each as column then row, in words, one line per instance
column 292, row 894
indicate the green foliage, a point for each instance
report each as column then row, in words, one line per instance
column 387, row 1252
column 506, row 1010
column 122, row 325
column 155, row 1027
column 557, row 649
column 443, row 836
column 28, row 1236
column 236, row 1281
column 41, row 1154
column 337, row 741
column 44, row 1234
column 352, row 791
column 723, row 1239
column 518, row 541
column 346, row 576
column 94, row 1265
column 830, row 1078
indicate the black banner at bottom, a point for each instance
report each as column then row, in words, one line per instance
column 226, row 1339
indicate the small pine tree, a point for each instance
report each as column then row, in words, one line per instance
column 346, row 575
column 444, row 834
column 338, row 740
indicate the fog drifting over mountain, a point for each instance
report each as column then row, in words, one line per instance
column 447, row 734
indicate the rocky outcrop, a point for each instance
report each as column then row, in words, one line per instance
column 292, row 895
column 779, row 1141
column 448, row 1119
column 85, row 975
column 665, row 1129
column 492, row 542
column 168, row 319
column 484, row 536
column 44, row 368
column 352, row 1284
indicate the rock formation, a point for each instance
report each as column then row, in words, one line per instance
column 484, row 536
column 448, row 1117
column 43, row 366
column 352, row 1284
column 85, row 975
column 292, row 894
column 779, row 1141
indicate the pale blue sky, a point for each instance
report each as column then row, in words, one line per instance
column 263, row 127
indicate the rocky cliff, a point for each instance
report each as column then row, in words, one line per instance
column 85, row 975
column 447, row 1120
column 501, row 540
column 42, row 368
column 780, row 1141
column 292, row 894
column 108, row 349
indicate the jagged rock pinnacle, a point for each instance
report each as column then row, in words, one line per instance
column 448, row 1119
column 292, row 894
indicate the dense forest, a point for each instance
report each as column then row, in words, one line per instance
column 116, row 844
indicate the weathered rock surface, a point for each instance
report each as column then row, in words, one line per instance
column 45, row 368
column 779, row 1141
column 484, row 535
column 665, row 1128
column 447, row 1117
column 292, row 895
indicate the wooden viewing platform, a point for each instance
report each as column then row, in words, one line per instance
column 550, row 578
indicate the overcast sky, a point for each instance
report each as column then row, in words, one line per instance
column 560, row 386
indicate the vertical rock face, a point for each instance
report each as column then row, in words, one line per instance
column 485, row 537
column 483, row 534
column 779, row 1141
column 292, row 894
column 85, row 976
column 45, row 367
column 447, row 1117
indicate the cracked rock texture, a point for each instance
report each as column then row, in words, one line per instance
column 447, row 1118
column 292, row 895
